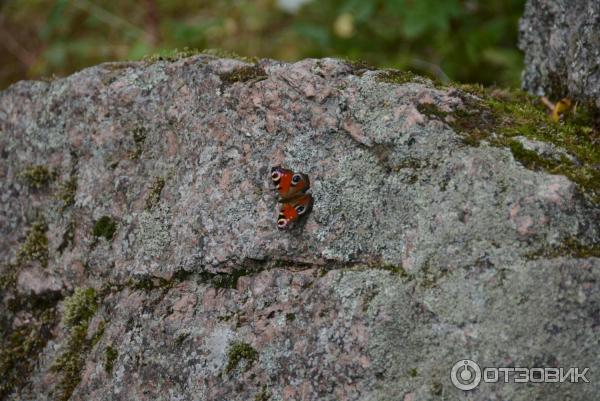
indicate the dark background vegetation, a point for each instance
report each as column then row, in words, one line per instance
column 461, row 40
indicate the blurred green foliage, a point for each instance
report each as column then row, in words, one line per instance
column 461, row 40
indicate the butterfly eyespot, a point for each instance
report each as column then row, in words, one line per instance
column 275, row 175
column 300, row 209
column 296, row 178
column 281, row 223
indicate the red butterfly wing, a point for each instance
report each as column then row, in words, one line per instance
column 289, row 184
column 294, row 209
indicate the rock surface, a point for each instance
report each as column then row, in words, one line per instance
column 148, row 184
column 561, row 41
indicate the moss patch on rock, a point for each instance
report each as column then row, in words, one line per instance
column 79, row 309
column 67, row 192
column 154, row 192
column 110, row 356
column 173, row 55
column 239, row 351
column 139, row 137
column 571, row 247
column 37, row 176
column 397, row 77
column 20, row 348
column 243, row 74
column 499, row 116
column 105, row 227
column 35, row 247
column 263, row 394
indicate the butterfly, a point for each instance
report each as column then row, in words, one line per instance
column 291, row 188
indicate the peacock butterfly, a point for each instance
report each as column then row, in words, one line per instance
column 291, row 188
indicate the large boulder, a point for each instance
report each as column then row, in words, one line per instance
column 561, row 41
column 141, row 259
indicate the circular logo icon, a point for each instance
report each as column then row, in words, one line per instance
column 465, row 374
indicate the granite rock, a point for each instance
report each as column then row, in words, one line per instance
column 153, row 189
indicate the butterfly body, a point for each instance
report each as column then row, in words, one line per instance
column 291, row 188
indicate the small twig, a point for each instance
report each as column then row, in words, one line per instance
column 548, row 103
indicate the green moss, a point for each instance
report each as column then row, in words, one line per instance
column 397, row 77
column 20, row 349
column 228, row 280
column 413, row 372
column 431, row 110
column 530, row 158
column 359, row 67
column 573, row 247
column 263, row 395
column 172, row 55
column 148, row 283
column 570, row 247
column 37, row 176
column 8, row 276
column 110, row 356
column 79, row 309
column 139, row 135
column 70, row 363
column 395, row 269
column 67, row 192
column 243, row 74
column 239, row 351
column 99, row 332
column 154, row 192
column 224, row 280
column 181, row 337
column 500, row 115
column 290, row 317
column 105, row 227
column 176, row 54
column 35, row 247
